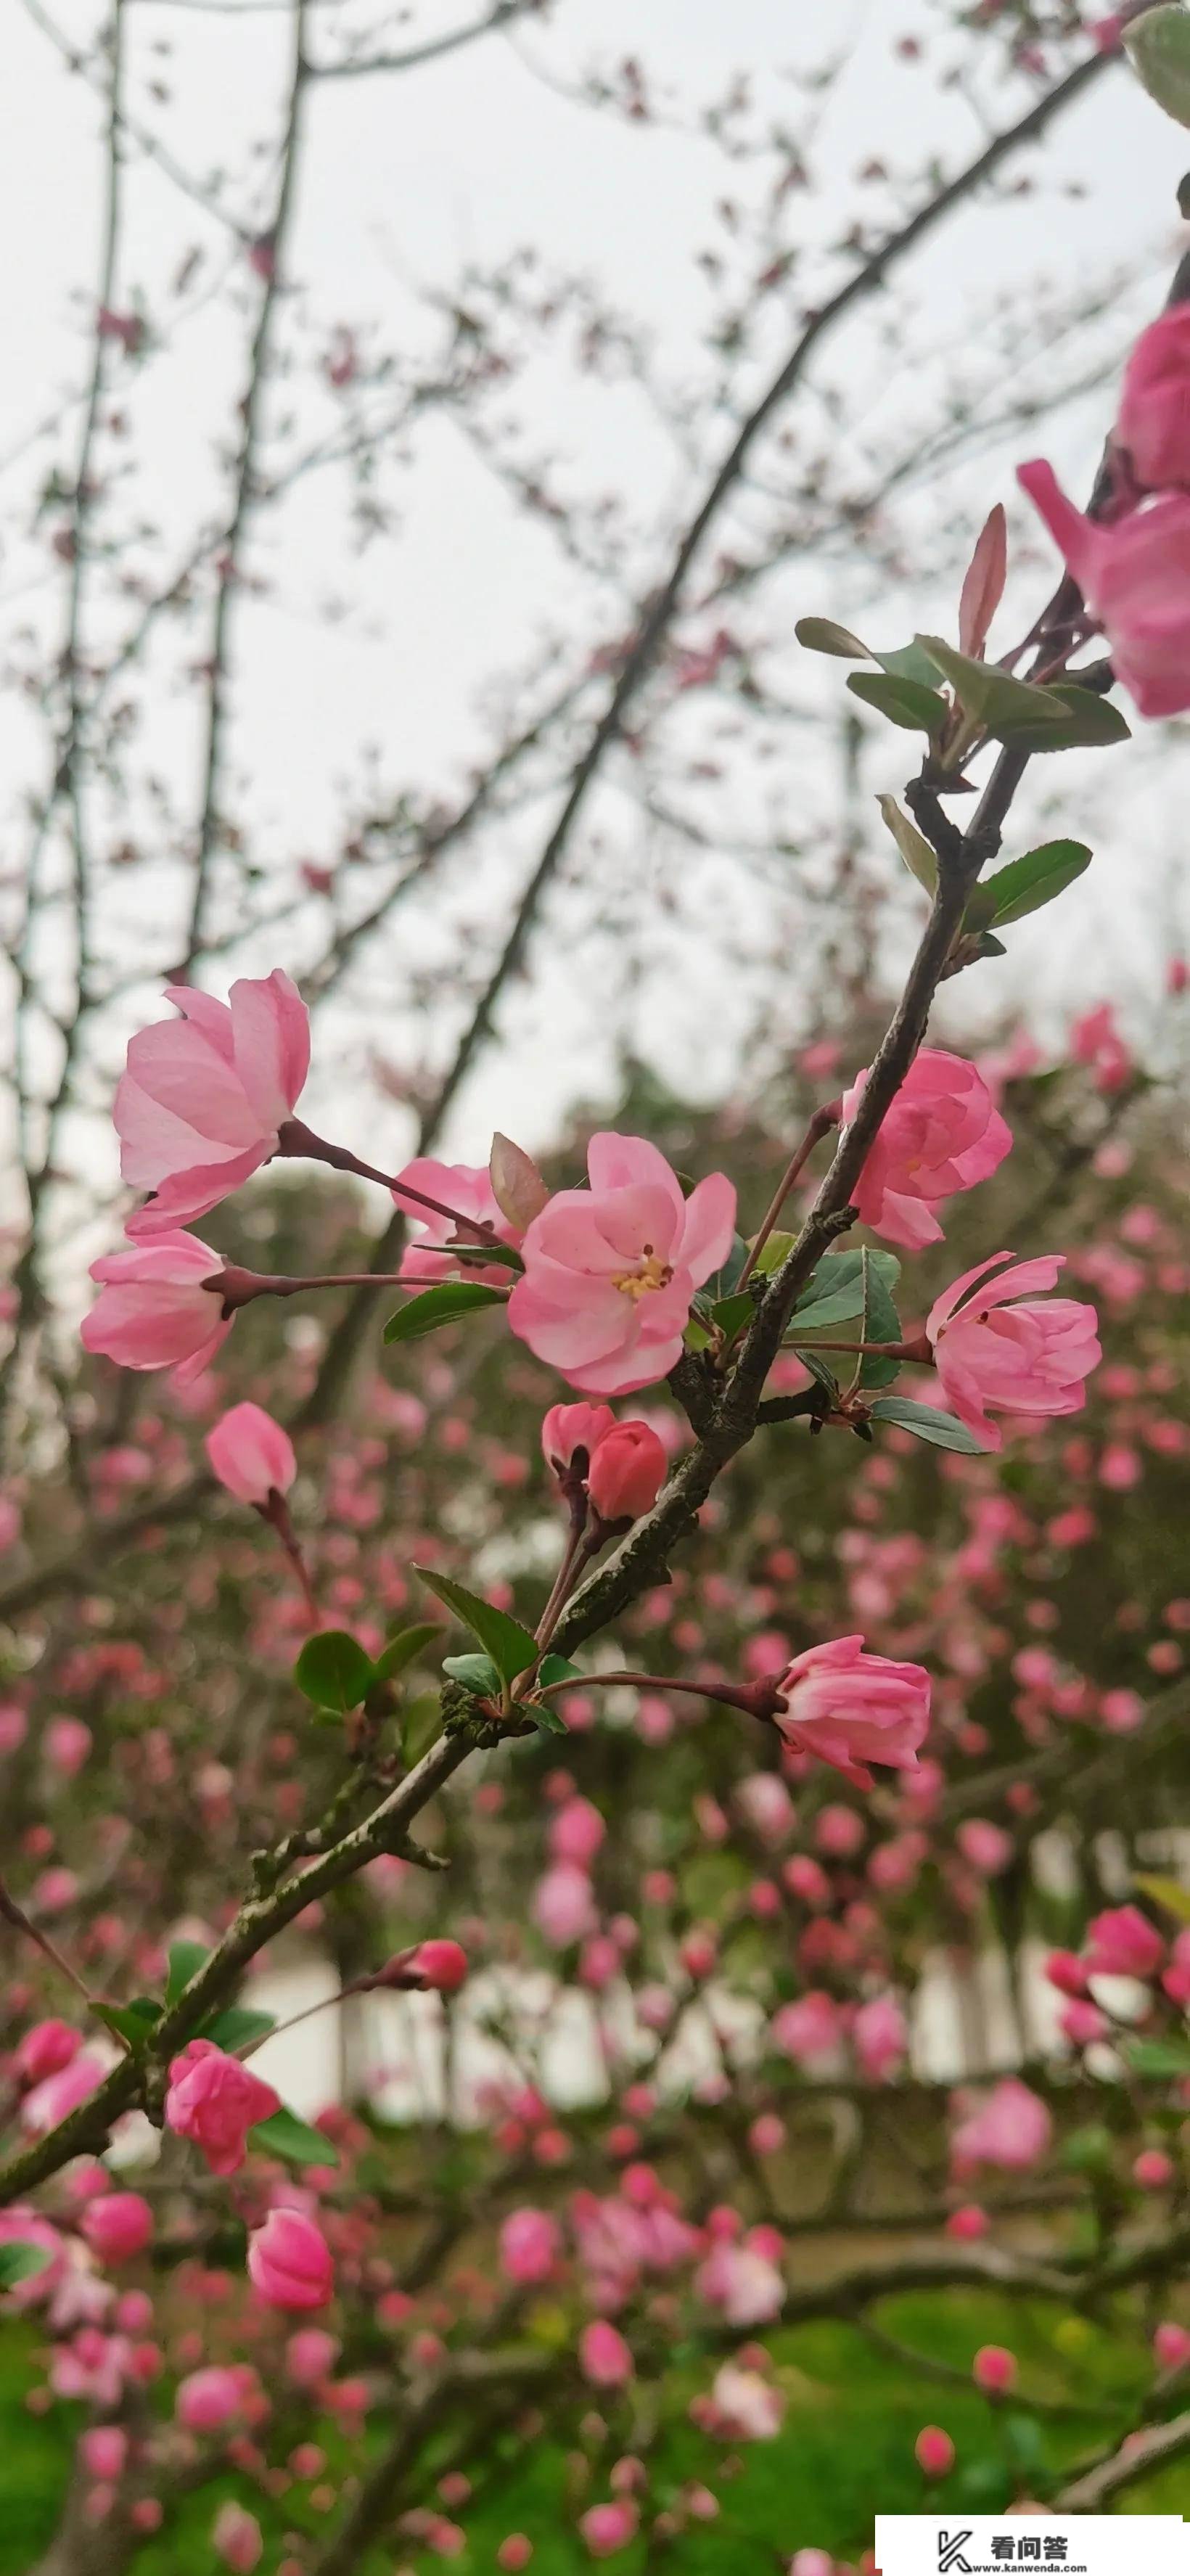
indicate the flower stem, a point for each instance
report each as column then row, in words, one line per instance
column 820, row 1125
column 296, row 1139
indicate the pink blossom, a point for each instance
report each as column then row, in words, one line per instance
column 611, row 1272
column 202, row 1101
column 439, row 1967
column 208, row 2399
column 68, row 1742
column 1134, row 574
column 564, row 1905
column 1153, row 422
column 570, row 1434
column 627, row 1472
column 529, row 2245
column 104, row 2450
column 1010, row 2127
column 942, row 1133
column 745, row 2284
column 251, row 1454
column 746, row 2407
column 289, row 2261
column 607, row 2528
column 604, row 2357
column 118, row 2225
column 1171, row 2345
column 55, row 2098
column 237, row 2538
column 1028, row 1358
column 153, row 1310
column 576, row 1833
column 467, row 1187
column 809, row 2031
column 1123, row 1943
column 45, row 2050
column 985, row 1846
column 850, row 1708
column 309, row 2355
column 1153, row 2170
column 879, row 2037
column 214, row 2101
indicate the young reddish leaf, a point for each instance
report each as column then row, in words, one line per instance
column 983, row 582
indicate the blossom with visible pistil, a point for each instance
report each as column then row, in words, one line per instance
column 611, row 1271
column 1024, row 1357
column 1134, row 574
column 850, row 1708
column 159, row 1307
column 201, row 1103
column 941, row 1133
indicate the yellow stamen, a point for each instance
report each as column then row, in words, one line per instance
column 653, row 1273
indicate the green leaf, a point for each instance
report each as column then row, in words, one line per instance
column 185, row 1960
column 1158, row 2056
column 942, row 1430
column 1087, row 721
column 1168, row 1892
column 990, row 696
column 421, row 1726
column 729, row 1313
column 510, row 1646
column 441, row 1305
column 835, row 1293
column 1026, row 884
column 403, row 1649
column 476, row 1672
column 723, row 1281
column 915, row 850
column 283, row 2134
column 1158, row 46
column 909, row 662
column 880, row 1321
column 548, row 1719
column 502, row 1256
column 904, row 702
column 773, row 1253
column 333, row 1670
column 22, row 2262
column 821, row 635
column 239, row 2026
column 554, row 1668
column 135, row 2021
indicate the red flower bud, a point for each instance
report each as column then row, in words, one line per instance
column 627, row 1472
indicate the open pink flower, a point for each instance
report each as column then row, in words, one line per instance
column 610, row 1272
column 850, row 1708
column 251, row 1454
column 467, row 1187
column 1027, row 1357
column 1153, row 424
column 1134, row 574
column 154, row 1311
column 942, row 1133
column 1009, row 2127
column 200, row 1104
column 214, row 2101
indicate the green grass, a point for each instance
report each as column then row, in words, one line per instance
column 846, row 2449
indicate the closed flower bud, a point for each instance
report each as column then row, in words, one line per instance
column 627, row 1472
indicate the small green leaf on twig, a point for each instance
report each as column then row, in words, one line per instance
column 915, row 850
column 283, row 2134
column 441, row 1305
column 821, row 635
column 904, row 702
column 1158, row 46
column 927, row 1422
column 333, row 1670
column 185, row 1960
column 403, row 1649
column 1026, row 884
column 510, row 1646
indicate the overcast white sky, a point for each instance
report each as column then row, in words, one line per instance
column 398, row 650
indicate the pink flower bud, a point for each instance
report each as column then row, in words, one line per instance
column 1067, row 1972
column 214, row 2100
column 45, row 2050
column 289, row 2261
column 627, row 1472
column 1171, row 2344
column 529, row 2245
column 1152, row 2170
column 994, row 2369
column 67, row 1744
column 104, row 2450
column 1153, row 424
column 604, row 2357
column 576, row 1832
column 607, row 2528
column 934, row 2451
column 1123, row 1943
column 966, row 2225
column 251, row 1454
column 238, row 2539
column 440, row 1966
column 118, row 2226
column 570, row 1434
column 208, row 2399
column 309, row 2355
column 514, row 2553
